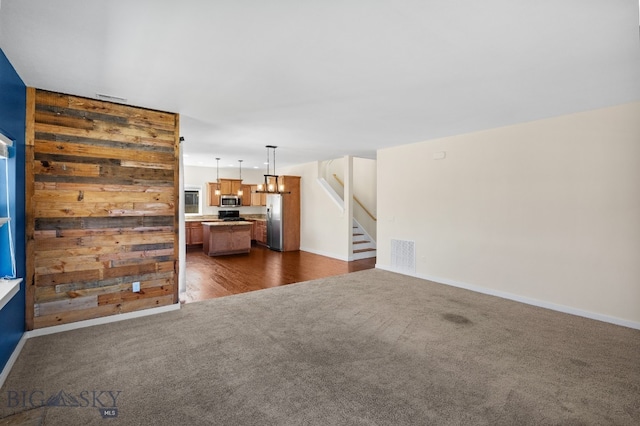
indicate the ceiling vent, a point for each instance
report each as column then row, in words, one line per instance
column 110, row 98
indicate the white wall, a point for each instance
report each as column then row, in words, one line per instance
column 364, row 187
column 199, row 176
column 322, row 223
column 546, row 212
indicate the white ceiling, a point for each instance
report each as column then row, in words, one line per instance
column 326, row 78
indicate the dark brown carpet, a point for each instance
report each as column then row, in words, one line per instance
column 367, row 348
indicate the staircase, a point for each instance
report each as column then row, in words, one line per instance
column 363, row 245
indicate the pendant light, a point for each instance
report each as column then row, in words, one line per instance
column 217, row 192
column 240, row 191
column 269, row 186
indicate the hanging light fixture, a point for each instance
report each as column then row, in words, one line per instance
column 271, row 184
column 217, row 191
column 240, row 191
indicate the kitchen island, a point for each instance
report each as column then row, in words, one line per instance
column 220, row 238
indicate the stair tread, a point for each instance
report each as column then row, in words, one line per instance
column 357, row 235
column 364, row 250
column 361, row 242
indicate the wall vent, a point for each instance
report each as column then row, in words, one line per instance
column 110, row 98
column 403, row 256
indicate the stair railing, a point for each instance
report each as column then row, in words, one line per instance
column 356, row 199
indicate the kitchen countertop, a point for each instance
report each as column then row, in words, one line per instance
column 215, row 218
column 229, row 223
column 201, row 218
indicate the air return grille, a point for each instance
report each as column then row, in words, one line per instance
column 403, row 256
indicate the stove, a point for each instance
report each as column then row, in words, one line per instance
column 230, row 215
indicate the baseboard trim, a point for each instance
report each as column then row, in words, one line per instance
column 102, row 320
column 12, row 359
column 522, row 299
column 325, row 254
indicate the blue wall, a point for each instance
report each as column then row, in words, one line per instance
column 12, row 123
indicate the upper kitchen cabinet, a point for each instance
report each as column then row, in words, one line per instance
column 214, row 200
column 227, row 187
column 257, row 199
column 230, row 186
column 246, row 195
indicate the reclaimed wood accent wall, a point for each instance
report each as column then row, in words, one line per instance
column 102, row 208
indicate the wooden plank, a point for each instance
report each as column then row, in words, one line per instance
column 111, row 282
column 103, row 132
column 50, row 210
column 47, row 117
column 146, row 165
column 80, row 113
column 100, row 187
column 57, row 306
column 101, row 311
column 140, row 116
column 145, row 117
column 62, row 223
column 51, row 293
column 137, row 145
column 85, row 196
column 82, row 264
column 73, row 316
column 140, row 261
column 83, row 209
column 72, row 281
column 100, row 179
column 83, row 119
column 124, row 296
column 75, row 233
column 43, row 97
column 122, row 271
column 61, row 253
column 85, row 150
column 105, row 253
column 42, row 280
column 153, row 302
column 163, row 175
column 45, row 234
column 29, row 214
column 145, row 255
column 104, row 240
column 65, row 169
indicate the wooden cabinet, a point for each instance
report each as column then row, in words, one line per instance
column 193, row 233
column 226, row 238
column 246, row 195
column 257, row 199
column 260, row 231
column 230, row 186
column 290, row 213
column 214, row 200
column 227, row 187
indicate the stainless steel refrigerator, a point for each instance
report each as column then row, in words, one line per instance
column 274, row 222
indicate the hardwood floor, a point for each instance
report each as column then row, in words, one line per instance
column 209, row 277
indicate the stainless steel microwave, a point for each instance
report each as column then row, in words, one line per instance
column 230, row 201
